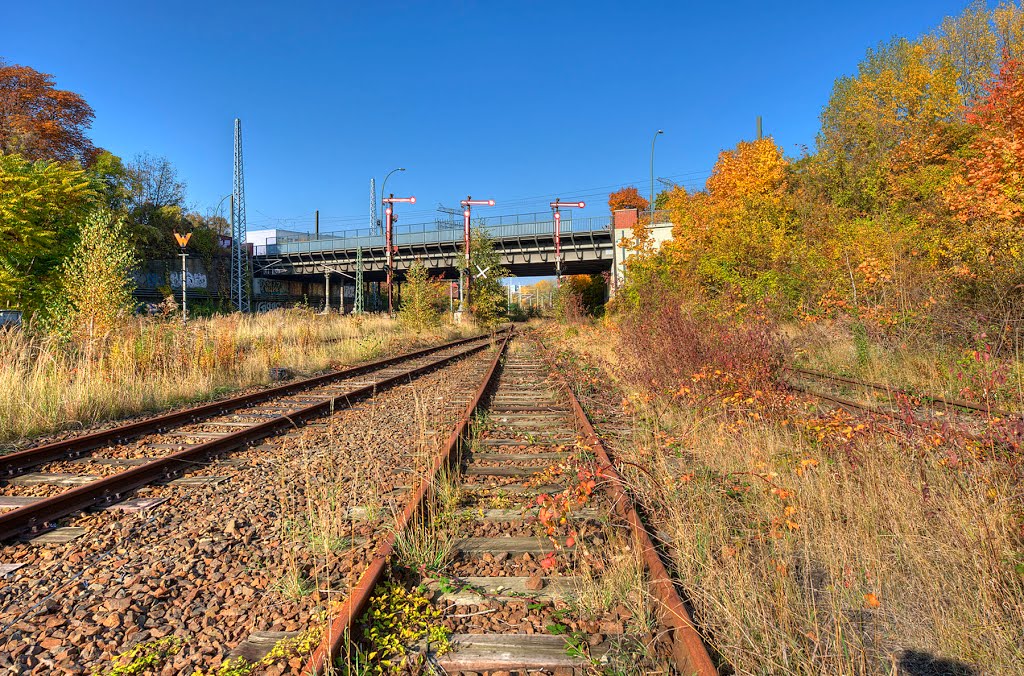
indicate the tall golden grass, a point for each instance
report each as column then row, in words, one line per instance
column 799, row 559
column 965, row 372
column 150, row 364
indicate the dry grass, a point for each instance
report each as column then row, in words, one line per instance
column 967, row 373
column 872, row 555
column 153, row 364
column 619, row 581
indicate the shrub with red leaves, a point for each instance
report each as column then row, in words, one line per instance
column 668, row 341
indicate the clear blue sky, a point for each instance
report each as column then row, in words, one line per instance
column 515, row 101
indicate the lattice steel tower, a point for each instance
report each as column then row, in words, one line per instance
column 239, row 249
column 373, row 207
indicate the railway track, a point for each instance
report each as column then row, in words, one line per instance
column 978, row 423
column 543, row 559
column 102, row 469
column 922, row 399
column 257, row 553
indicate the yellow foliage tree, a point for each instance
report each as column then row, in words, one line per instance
column 738, row 238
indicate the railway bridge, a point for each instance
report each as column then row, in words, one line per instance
column 527, row 247
column 295, row 266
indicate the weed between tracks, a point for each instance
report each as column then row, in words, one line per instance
column 428, row 544
column 399, row 618
column 151, row 364
column 813, row 542
column 335, row 509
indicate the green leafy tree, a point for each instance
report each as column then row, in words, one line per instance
column 488, row 298
column 112, row 181
column 95, row 291
column 41, row 205
column 421, row 299
column 155, row 206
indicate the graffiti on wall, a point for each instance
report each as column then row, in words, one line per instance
column 149, row 280
column 156, row 274
column 269, row 287
column 194, row 280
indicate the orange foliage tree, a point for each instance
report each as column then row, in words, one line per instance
column 987, row 192
column 39, row 121
column 627, row 198
column 630, row 198
column 908, row 216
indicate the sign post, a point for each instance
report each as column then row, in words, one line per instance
column 389, row 242
column 555, row 206
column 468, row 204
column 183, row 242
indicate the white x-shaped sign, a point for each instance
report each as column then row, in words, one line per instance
column 483, row 271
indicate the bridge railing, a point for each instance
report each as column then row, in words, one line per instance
column 429, row 233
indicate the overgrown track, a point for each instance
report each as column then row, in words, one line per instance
column 254, row 417
column 543, row 519
column 923, row 398
column 978, row 424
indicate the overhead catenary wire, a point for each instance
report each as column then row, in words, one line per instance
column 539, row 201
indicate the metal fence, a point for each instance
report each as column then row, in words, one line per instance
column 501, row 227
column 10, row 318
column 658, row 216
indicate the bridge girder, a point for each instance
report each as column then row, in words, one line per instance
column 524, row 256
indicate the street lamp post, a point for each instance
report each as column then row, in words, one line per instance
column 660, row 132
column 555, row 206
column 384, row 185
column 216, row 212
column 389, row 216
column 468, row 204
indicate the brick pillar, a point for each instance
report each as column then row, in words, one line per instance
column 622, row 219
column 625, row 219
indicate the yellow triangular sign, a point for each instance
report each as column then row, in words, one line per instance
column 183, row 239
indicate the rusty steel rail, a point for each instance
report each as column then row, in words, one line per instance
column 688, row 649
column 15, row 463
column 340, row 630
column 904, row 419
column 929, row 398
column 849, row 403
column 40, row 515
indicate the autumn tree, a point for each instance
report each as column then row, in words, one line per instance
column 627, row 198
column 95, row 287
column 588, row 294
column 154, row 185
column 112, row 181
column 987, row 196
column 41, row 207
column 155, row 206
column 907, row 217
column 422, row 299
column 739, row 236
column 488, row 298
column 39, row 121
